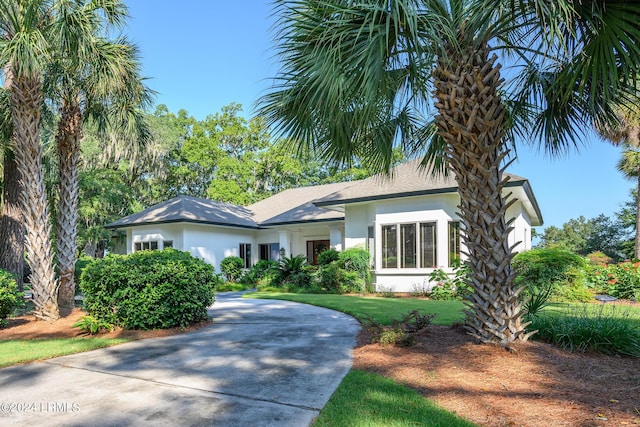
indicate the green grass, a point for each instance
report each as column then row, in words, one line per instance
column 382, row 310
column 20, row 351
column 369, row 400
column 609, row 328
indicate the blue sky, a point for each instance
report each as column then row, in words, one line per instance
column 201, row 55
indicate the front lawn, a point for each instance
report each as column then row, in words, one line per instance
column 20, row 351
column 382, row 310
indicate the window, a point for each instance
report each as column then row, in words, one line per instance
column 389, row 246
column 454, row 242
column 269, row 251
column 408, row 246
column 413, row 247
column 428, row 245
column 245, row 254
column 146, row 246
column 167, row 244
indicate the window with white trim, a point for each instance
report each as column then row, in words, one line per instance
column 409, row 245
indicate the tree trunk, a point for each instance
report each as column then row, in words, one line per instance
column 472, row 121
column 68, row 144
column 26, row 97
column 11, row 226
column 637, row 252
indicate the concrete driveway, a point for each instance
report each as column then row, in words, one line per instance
column 261, row 363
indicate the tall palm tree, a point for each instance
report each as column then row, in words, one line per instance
column 24, row 49
column 11, row 226
column 358, row 77
column 90, row 77
column 626, row 133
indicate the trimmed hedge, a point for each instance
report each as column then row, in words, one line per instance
column 10, row 298
column 149, row 289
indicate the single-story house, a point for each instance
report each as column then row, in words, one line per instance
column 408, row 221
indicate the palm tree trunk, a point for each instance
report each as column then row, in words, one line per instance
column 11, row 226
column 68, row 143
column 472, row 121
column 637, row 252
column 26, row 97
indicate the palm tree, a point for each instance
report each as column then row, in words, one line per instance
column 24, row 50
column 11, row 227
column 357, row 78
column 90, row 78
column 626, row 132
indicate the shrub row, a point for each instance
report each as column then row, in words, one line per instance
column 149, row 289
column 337, row 272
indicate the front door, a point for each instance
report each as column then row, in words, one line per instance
column 314, row 247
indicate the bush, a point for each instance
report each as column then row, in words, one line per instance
column 357, row 261
column 259, row 271
column 91, row 325
column 590, row 329
column 550, row 274
column 450, row 288
column 81, row 263
column 149, row 289
column 10, row 298
column 232, row 267
column 402, row 331
column 619, row 280
column 328, row 256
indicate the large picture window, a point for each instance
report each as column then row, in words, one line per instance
column 454, row 242
column 409, row 245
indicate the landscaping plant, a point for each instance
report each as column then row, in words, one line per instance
column 232, row 267
column 10, row 298
column 149, row 289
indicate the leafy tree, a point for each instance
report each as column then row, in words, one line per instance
column 356, row 78
column 582, row 236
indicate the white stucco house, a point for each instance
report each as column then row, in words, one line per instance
column 407, row 221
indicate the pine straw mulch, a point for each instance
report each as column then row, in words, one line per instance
column 534, row 385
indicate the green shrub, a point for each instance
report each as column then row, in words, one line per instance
column 447, row 287
column 91, row 325
column 10, row 298
column 328, row 256
column 550, row 274
column 590, row 329
column 231, row 287
column 619, row 280
column 149, row 289
column 232, row 267
column 402, row 331
column 357, row 261
column 258, row 271
column 81, row 263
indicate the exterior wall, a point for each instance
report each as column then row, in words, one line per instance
column 440, row 209
column 213, row 244
column 159, row 233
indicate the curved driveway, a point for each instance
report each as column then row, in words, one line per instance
column 261, row 363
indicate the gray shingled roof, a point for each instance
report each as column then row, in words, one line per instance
column 308, row 204
column 407, row 179
column 295, row 205
column 190, row 209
